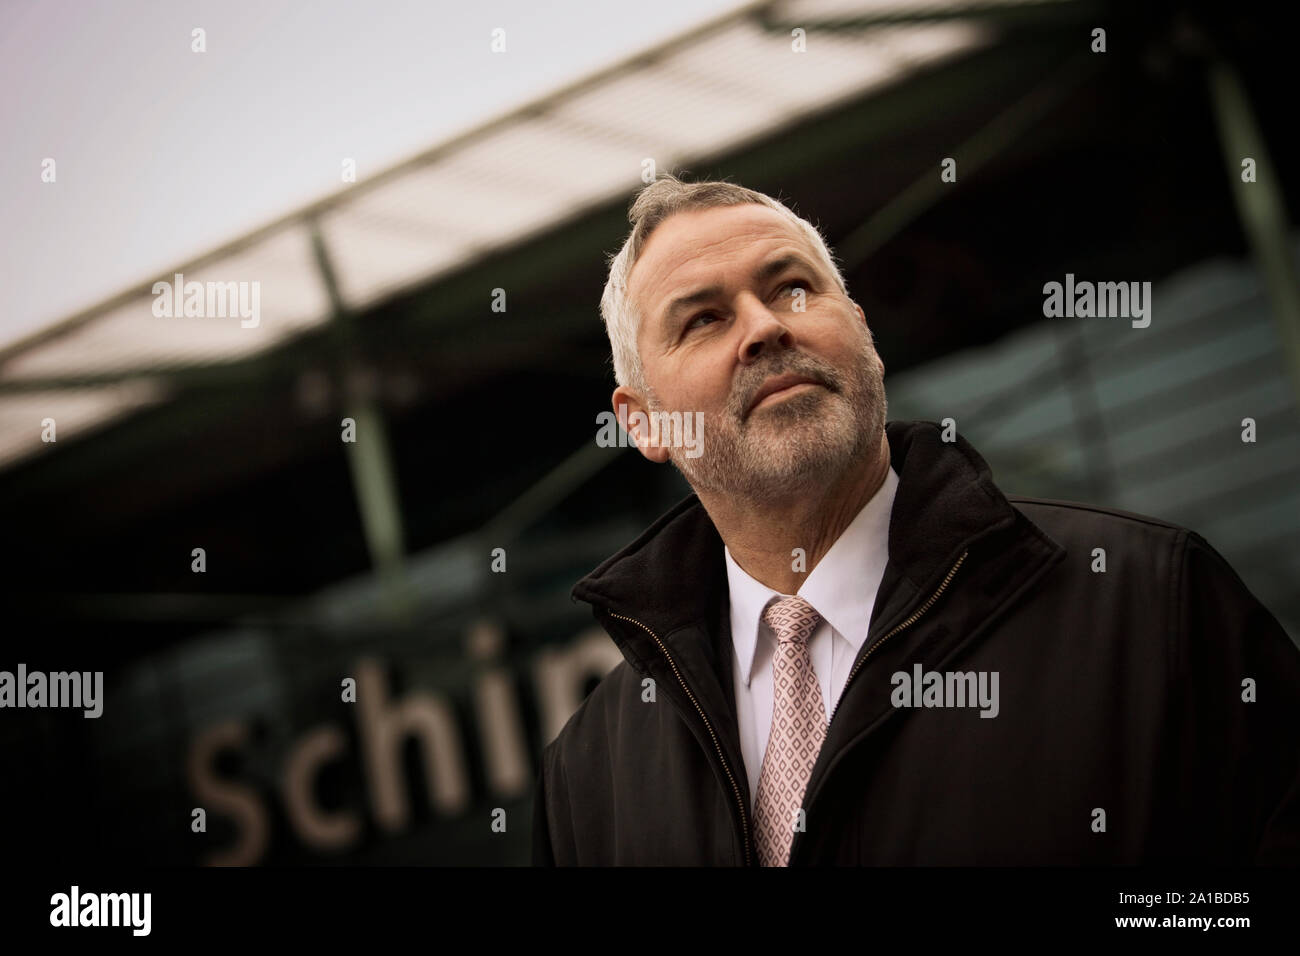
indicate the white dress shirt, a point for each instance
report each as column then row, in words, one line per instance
column 842, row 588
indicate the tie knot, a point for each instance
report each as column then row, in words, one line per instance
column 792, row 618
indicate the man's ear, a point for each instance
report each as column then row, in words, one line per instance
column 635, row 419
column 863, row 316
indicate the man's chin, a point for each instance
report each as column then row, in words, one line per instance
column 772, row 477
column 781, row 450
column 802, row 423
column 806, row 403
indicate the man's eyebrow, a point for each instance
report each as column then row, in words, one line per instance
column 762, row 274
column 780, row 264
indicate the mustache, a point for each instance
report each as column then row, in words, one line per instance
column 753, row 378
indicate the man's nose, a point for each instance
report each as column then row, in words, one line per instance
column 764, row 330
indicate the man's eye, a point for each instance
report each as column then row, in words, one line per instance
column 786, row 290
column 703, row 315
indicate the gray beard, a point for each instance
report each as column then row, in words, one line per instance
column 803, row 441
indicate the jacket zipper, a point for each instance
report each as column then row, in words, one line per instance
column 911, row 620
column 740, row 803
column 744, row 818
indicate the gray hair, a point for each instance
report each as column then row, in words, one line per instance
column 653, row 204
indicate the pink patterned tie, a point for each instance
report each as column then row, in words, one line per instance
column 798, row 729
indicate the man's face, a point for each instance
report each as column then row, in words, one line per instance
column 717, row 292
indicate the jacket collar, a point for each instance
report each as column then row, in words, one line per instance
column 675, row 573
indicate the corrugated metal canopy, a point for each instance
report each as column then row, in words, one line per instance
column 733, row 80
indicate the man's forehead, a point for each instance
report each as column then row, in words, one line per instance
column 688, row 246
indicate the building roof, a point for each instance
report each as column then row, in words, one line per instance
column 732, row 80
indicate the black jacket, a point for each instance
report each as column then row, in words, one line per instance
column 1120, row 691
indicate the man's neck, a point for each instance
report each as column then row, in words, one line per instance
column 762, row 535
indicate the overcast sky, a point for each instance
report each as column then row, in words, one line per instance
column 163, row 153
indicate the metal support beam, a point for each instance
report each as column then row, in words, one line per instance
column 971, row 154
column 1261, row 208
column 546, row 494
column 1030, row 14
column 368, row 456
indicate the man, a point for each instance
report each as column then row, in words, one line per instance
column 848, row 646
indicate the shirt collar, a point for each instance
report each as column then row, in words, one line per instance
column 842, row 587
